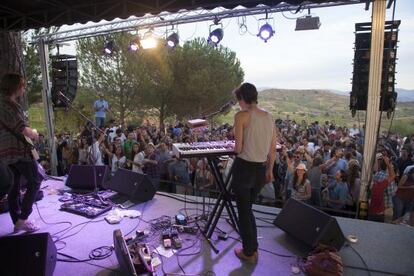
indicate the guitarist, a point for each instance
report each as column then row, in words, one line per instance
column 15, row 152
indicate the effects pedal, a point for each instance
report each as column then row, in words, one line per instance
column 186, row 229
column 176, row 241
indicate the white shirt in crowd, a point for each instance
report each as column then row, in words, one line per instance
column 117, row 162
column 138, row 158
column 95, row 154
column 353, row 131
column 112, row 133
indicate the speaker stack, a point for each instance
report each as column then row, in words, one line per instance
column 64, row 79
column 359, row 94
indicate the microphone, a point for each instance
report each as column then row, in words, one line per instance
column 227, row 106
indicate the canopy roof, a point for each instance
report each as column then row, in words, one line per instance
column 33, row 14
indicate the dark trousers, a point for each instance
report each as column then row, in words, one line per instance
column 22, row 208
column 248, row 179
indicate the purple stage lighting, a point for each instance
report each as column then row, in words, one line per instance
column 266, row 32
column 215, row 37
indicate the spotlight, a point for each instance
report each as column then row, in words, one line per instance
column 172, row 40
column 215, row 36
column 266, row 32
column 109, row 47
column 134, row 45
column 149, row 41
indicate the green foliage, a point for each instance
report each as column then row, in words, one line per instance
column 204, row 78
column 190, row 81
column 120, row 76
column 32, row 65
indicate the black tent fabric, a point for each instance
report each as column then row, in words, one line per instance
column 33, row 14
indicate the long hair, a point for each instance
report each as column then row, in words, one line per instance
column 295, row 179
column 10, row 83
column 353, row 174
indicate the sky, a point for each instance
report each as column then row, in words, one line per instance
column 316, row 59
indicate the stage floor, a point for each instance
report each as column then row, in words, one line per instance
column 384, row 247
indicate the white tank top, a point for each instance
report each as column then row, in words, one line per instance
column 257, row 137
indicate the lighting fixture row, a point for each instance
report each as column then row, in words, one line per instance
column 149, row 41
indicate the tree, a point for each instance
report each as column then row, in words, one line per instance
column 119, row 76
column 190, row 81
column 32, row 64
column 187, row 82
column 205, row 77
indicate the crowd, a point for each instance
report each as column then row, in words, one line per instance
column 319, row 164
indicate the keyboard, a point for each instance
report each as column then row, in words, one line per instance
column 203, row 149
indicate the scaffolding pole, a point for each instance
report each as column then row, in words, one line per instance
column 47, row 104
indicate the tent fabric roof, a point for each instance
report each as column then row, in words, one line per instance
column 33, row 14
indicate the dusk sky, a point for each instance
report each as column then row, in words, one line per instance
column 319, row 59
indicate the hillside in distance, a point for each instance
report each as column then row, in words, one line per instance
column 324, row 105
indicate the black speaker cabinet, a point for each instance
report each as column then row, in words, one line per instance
column 138, row 187
column 31, row 254
column 309, row 225
column 82, row 176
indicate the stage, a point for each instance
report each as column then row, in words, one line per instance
column 384, row 247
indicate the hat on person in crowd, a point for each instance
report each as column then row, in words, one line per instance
column 301, row 166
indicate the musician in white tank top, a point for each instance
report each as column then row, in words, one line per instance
column 255, row 146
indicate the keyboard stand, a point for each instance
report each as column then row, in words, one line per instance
column 223, row 200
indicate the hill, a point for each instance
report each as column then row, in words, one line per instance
column 309, row 105
column 324, row 105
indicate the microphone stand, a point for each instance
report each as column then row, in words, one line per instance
column 68, row 103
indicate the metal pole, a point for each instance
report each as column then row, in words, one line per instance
column 47, row 104
column 374, row 94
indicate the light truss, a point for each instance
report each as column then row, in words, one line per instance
column 172, row 19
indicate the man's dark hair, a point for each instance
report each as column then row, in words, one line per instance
column 246, row 92
column 10, row 83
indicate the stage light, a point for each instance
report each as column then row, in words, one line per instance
column 266, row 32
column 172, row 40
column 215, row 36
column 109, row 47
column 307, row 23
column 149, row 41
column 134, row 45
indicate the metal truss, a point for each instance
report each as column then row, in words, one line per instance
column 166, row 19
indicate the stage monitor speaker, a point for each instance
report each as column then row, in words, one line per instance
column 309, row 225
column 31, row 254
column 136, row 186
column 82, row 176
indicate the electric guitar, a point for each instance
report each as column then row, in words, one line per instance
column 24, row 139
